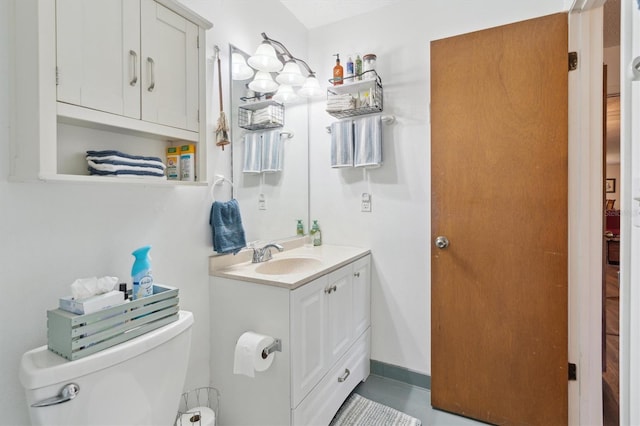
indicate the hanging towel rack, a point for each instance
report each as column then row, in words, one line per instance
column 220, row 179
column 386, row 119
column 287, row 134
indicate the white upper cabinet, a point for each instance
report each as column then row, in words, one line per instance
column 170, row 67
column 128, row 57
column 127, row 75
column 98, row 55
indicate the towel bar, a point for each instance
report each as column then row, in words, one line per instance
column 386, row 119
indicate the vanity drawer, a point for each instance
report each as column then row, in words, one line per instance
column 319, row 407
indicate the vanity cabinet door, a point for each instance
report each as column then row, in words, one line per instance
column 169, row 67
column 97, row 55
column 361, row 295
column 339, row 316
column 308, row 337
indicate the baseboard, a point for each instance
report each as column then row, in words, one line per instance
column 400, row 374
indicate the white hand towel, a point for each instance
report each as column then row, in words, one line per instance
column 368, row 141
column 342, row 144
column 252, row 153
column 272, row 151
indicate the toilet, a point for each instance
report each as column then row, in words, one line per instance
column 138, row 382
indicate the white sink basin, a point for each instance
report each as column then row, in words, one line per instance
column 288, row 265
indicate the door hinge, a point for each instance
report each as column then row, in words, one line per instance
column 57, row 77
column 573, row 374
column 573, row 61
column 198, row 42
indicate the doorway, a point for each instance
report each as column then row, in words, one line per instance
column 611, row 216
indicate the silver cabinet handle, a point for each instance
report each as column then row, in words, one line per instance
column 331, row 289
column 344, row 375
column 442, row 242
column 356, row 274
column 152, row 78
column 67, row 393
column 134, row 59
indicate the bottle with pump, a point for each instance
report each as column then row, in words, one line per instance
column 349, row 74
column 316, row 234
column 338, row 71
column 358, row 67
column 141, row 273
column 299, row 228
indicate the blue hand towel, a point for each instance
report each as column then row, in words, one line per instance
column 226, row 226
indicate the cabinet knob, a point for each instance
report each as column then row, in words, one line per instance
column 331, row 289
column 356, row 274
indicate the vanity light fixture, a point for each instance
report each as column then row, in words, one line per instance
column 269, row 57
column 239, row 68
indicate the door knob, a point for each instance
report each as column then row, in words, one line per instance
column 442, row 242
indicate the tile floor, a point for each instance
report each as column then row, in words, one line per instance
column 413, row 400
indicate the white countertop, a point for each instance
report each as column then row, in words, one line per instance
column 331, row 258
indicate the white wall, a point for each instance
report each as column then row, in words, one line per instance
column 53, row 233
column 398, row 228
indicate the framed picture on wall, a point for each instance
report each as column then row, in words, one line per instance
column 610, row 185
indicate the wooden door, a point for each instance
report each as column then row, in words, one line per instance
column 170, row 67
column 97, row 55
column 499, row 194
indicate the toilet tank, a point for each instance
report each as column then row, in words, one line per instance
column 138, row 382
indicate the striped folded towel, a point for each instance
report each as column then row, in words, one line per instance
column 116, row 163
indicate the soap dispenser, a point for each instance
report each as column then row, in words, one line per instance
column 316, row 234
column 299, row 228
column 338, row 71
column 141, row 273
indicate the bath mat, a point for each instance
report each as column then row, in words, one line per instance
column 360, row 411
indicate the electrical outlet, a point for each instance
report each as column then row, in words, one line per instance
column 366, row 202
column 262, row 202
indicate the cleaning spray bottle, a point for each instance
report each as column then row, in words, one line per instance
column 141, row 273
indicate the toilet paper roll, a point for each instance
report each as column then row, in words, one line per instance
column 198, row 416
column 248, row 354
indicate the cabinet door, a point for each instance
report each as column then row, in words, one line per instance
column 339, row 313
column 170, row 67
column 97, row 54
column 361, row 295
column 308, row 336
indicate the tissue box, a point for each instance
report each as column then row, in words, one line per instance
column 93, row 303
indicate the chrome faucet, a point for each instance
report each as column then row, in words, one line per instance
column 263, row 254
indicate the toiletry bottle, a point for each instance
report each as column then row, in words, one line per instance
column 173, row 163
column 358, row 67
column 316, row 233
column 349, row 74
column 299, row 228
column 338, row 71
column 187, row 162
column 141, row 273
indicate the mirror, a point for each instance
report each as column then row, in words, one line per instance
column 270, row 203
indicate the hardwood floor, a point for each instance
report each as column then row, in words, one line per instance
column 611, row 377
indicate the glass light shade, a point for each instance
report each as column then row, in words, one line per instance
column 311, row 88
column 263, row 83
column 265, row 58
column 290, row 74
column 239, row 68
column 285, row 94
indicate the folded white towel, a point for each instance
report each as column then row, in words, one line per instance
column 252, row 153
column 368, row 141
column 342, row 144
column 272, row 151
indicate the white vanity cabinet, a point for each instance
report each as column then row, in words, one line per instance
column 325, row 333
column 128, row 75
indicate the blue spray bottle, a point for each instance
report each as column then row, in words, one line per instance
column 141, row 273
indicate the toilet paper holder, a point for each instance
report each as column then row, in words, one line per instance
column 275, row 346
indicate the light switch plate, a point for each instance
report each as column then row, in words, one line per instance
column 262, row 202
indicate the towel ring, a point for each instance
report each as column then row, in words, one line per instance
column 220, row 179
